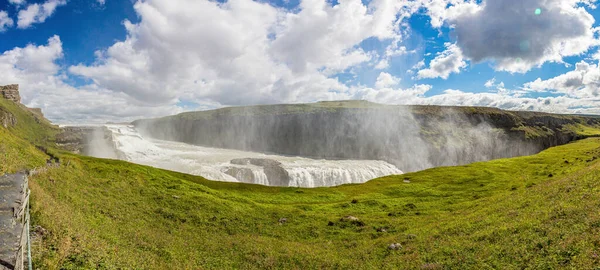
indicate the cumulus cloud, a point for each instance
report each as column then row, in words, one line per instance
column 5, row 21
column 393, row 50
column 449, row 61
column 503, row 100
column 240, row 51
column 583, row 82
column 520, row 34
column 492, row 83
column 42, row 84
column 38, row 13
column 385, row 80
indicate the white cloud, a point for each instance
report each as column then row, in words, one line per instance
column 42, row 84
column 386, row 80
column 583, row 82
column 382, row 64
column 419, row 65
column 240, row 51
column 596, row 56
column 511, row 34
column 244, row 52
column 393, row 50
column 17, row 2
column 101, row 2
column 443, row 11
column 503, row 100
column 490, row 83
column 449, row 61
column 5, row 21
column 390, row 95
column 37, row 13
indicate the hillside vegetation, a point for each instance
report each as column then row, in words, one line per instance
column 538, row 211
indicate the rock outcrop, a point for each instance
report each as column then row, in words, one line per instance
column 11, row 92
column 242, row 174
column 276, row 175
column 7, row 119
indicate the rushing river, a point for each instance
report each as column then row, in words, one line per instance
column 219, row 164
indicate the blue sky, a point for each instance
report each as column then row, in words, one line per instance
column 95, row 61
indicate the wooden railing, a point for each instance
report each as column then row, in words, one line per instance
column 22, row 216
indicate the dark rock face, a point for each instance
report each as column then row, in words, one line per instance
column 83, row 140
column 276, row 175
column 74, row 139
column 11, row 92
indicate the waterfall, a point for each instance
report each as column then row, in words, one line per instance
column 216, row 163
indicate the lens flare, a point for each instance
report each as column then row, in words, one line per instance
column 538, row 11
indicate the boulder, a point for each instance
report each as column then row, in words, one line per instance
column 276, row 174
column 395, row 246
column 241, row 174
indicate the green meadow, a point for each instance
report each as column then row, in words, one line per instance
column 534, row 212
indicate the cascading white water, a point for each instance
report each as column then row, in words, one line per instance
column 213, row 163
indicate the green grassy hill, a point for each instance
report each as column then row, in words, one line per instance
column 535, row 212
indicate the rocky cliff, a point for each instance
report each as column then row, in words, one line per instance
column 84, row 140
column 410, row 137
column 11, row 92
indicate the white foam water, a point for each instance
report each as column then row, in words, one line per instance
column 212, row 163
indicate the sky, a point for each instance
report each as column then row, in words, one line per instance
column 93, row 61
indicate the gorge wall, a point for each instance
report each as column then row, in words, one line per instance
column 410, row 137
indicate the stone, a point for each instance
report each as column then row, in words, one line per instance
column 282, row 220
column 7, row 119
column 244, row 175
column 11, row 92
column 276, row 174
column 395, row 246
column 349, row 218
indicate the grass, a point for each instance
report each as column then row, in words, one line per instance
column 584, row 130
column 18, row 144
column 537, row 212
column 506, row 213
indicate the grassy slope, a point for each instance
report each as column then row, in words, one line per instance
column 17, row 144
column 509, row 213
column 506, row 214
